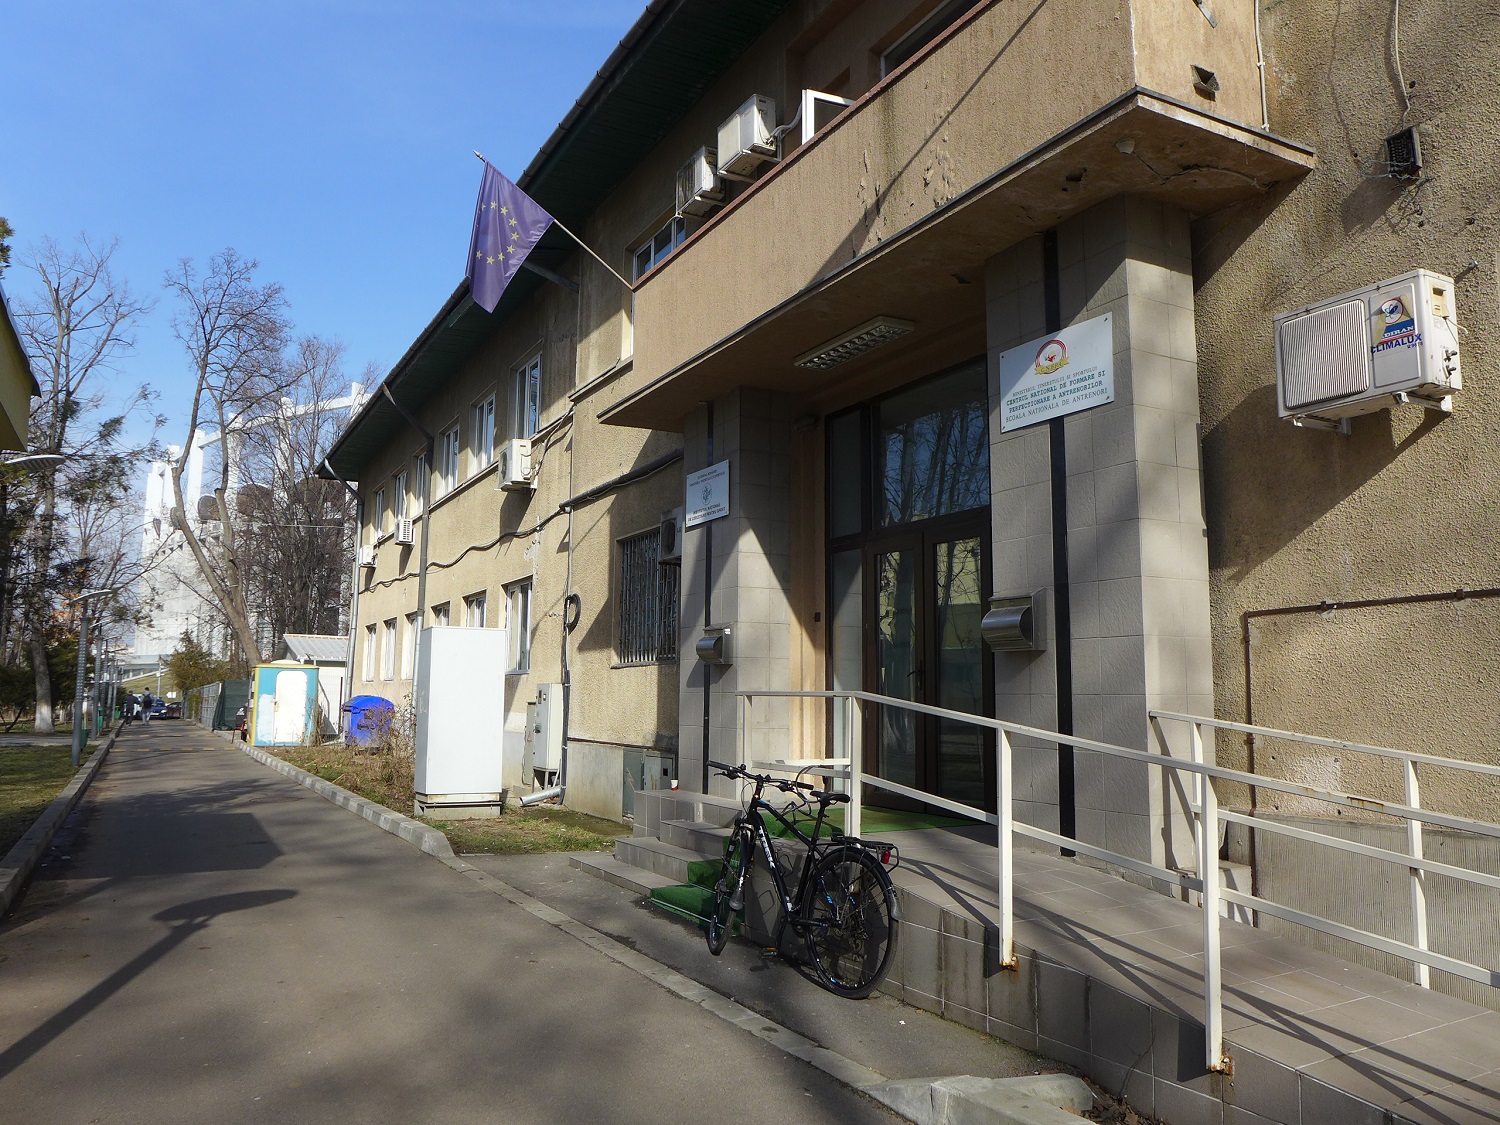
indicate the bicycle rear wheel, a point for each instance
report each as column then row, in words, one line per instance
column 729, row 889
column 851, row 922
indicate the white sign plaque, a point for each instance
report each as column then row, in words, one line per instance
column 707, row 494
column 1064, row 373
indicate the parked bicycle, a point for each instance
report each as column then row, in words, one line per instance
column 843, row 907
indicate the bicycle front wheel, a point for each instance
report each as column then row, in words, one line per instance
column 729, row 890
column 852, row 921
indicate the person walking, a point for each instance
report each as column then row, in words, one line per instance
column 146, row 702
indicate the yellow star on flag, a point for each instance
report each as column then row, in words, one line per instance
column 489, row 261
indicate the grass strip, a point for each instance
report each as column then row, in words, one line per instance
column 31, row 777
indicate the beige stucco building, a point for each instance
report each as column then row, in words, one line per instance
column 941, row 183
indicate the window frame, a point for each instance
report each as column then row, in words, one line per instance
column 421, row 471
column 518, row 641
column 449, row 451
column 658, row 246
column 368, row 668
column 482, row 435
column 409, row 649
column 398, row 495
column 388, row 648
column 645, row 634
column 377, row 514
column 479, row 601
column 526, row 398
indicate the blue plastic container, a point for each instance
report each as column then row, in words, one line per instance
column 369, row 719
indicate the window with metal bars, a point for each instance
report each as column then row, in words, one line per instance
column 648, row 602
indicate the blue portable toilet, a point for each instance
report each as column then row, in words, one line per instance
column 369, row 717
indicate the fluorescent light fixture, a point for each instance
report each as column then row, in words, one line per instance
column 871, row 334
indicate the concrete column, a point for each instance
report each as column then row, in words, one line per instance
column 747, row 585
column 1137, row 551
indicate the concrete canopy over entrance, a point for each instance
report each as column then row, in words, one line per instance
column 1143, row 144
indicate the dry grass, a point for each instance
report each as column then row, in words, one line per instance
column 31, row 777
column 388, row 778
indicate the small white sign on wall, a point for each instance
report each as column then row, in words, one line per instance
column 1063, row 373
column 707, row 494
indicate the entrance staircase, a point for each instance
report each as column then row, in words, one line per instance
column 1109, row 981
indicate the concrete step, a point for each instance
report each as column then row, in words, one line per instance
column 659, row 857
column 695, row 835
column 653, row 807
column 625, row 875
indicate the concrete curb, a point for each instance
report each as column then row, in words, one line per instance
column 22, row 859
column 428, row 839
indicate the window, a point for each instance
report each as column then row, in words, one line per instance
column 421, row 475
column 518, row 621
column 398, row 496
column 482, row 435
column 474, row 608
column 377, row 515
column 648, row 602
column 440, row 615
column 659, row 246
column 447, row 461
column 369, row 652
column 942, row 18
column 526, row 399
column 409, row 649
column 388, row 650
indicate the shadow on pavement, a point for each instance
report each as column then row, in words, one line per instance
column 187, row 919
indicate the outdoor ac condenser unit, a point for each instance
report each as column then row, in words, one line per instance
column 747, row 138
column 367, row 557
column 698, row 189
column 515, row 465
column 669, row 552
column 405, row 532
column 1374, row 348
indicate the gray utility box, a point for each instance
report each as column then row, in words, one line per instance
column 460, row 699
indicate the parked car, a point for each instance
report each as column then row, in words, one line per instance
column 172, row 710
column 160, row 709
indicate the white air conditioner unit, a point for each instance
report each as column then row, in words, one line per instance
column 669, row 553
column 698, row 190
column 1369, row 350
column 514, row 462
column 405, row 532
column 367, row 557
column 748, row 138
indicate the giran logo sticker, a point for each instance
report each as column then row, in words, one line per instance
column 1053, row 356
column 1399, row 327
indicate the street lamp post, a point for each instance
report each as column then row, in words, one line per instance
column 82, row 671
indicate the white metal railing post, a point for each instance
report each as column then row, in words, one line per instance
column 853, row 739
column 1004, row 813
column 1208, row 871
column 743, row 720
column 1418, row 883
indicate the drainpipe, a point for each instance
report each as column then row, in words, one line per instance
column 426, row 487
column 359, row 519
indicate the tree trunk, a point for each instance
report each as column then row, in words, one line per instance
column 43, row 678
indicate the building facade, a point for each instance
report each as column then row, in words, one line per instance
column 902, row 194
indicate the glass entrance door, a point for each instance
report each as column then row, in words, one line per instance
column 908, row 541
column 927, row 605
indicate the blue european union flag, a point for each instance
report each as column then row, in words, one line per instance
column 507, row 224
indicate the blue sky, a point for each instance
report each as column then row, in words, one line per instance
column 330, row 139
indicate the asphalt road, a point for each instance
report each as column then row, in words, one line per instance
column 210, row 942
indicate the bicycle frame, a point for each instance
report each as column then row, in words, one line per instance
column 753, row 814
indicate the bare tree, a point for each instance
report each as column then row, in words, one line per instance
column 234, row 331
column 298, row 529
column 75, row 330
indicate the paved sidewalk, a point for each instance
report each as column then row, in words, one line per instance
column 208, row 941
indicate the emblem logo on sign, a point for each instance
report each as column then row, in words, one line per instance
column 1397, row 317
column 1052, row 356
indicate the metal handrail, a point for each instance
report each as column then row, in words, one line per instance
column 1205, row 821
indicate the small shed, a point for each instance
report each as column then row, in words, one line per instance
column 329, row 655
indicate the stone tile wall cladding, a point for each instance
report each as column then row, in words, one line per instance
column 1137, row 551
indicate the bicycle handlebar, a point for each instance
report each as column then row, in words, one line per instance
column 826, row 796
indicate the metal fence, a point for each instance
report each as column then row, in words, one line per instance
column 1205, row 815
